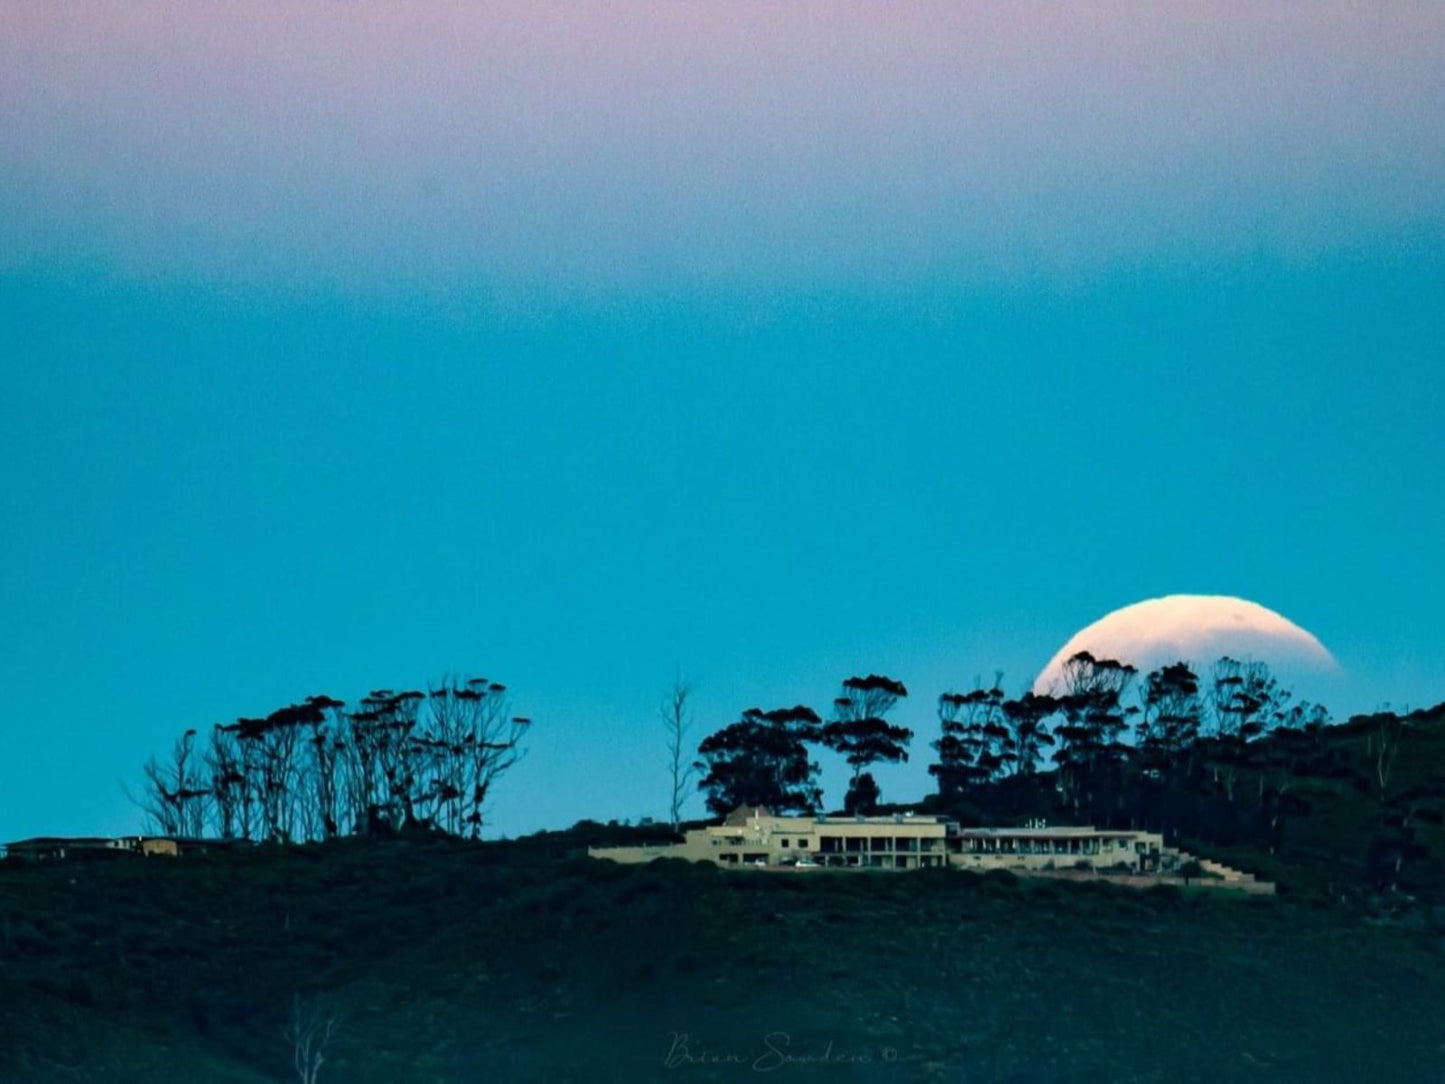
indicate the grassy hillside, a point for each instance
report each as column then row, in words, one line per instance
column 527, row 961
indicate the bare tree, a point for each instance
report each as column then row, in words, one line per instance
column 1389, row 733
column 175, row 792
column 676, row 714
column 314, row 770
column 225, row 768
column 325, row 742
column 493, row 745
column 310, row 1031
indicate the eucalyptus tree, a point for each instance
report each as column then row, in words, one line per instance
column 225, row 770
column 1172, row 713
column 975, row 742
column 175, row 791
column 762, row 760
column 491, row 745
column 859, row 732
column 1245, row 701
column 325, row 723
column 1027, row 719
column 1091, row 749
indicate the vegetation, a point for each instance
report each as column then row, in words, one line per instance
column 417, row 953
column 1230, row 764
column 317, row 770
column 437, row 959
column 863, row 737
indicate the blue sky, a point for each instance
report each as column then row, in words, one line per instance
column 777, row 347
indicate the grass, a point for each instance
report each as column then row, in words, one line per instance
column 527, row 961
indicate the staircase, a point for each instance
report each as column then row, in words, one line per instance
column 1229, row 877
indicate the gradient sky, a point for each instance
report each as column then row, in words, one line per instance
column 347, row 345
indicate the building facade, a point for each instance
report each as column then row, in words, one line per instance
column 755, row 837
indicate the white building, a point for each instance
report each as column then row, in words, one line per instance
column 906, row 841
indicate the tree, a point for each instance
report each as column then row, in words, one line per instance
column 1171, row 717
column 313, row 770
column 467, row 742
column 861, row 734
column 309, row 1032
column 271, row 767
column 1094, row 721
column 175, row 792
column 225, row 770
column 1246, row 699
column 1245, row 702
column 975, row 743
column 325, row 722
column 387, row 759
column 762, row 760
column 677, row 721
column 863, row 795
column 1388, row 734
column 1027, row 719
column 493, row 745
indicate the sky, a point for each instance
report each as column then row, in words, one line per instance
column 345, row 346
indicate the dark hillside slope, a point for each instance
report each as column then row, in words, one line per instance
column 527, row 961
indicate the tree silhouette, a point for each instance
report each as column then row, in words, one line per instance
column 225, row 769
column 313, row 770
column 975, row 744
column 676, row 722
column 861, row 734
column 1245, row 702
column 762, row 760
column 1172, row 713
column 1027, row 719
column 176, row 791
column 1091, row 750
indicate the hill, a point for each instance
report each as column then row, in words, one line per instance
column 527, row 961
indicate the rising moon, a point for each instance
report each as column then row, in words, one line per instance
column 1194, row 628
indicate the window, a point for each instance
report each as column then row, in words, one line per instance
column 783, row 842
column 802, row 844
column 881, row 843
